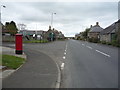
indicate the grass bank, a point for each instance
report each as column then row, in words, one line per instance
column 11, row 62
column 36, row 41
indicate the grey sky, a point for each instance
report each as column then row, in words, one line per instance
column 70, row 18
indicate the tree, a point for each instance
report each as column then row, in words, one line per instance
column 85, row 33
column 11, row 27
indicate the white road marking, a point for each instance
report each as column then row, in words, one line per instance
column 65, row 50
column 102, row 53
column 83, row 44
column 65, row 53
column 89, row 47
column 62, row 65
column 63, row 57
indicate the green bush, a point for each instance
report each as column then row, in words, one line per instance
column 90, row 39
column 61, row 39
column 94, row 40
column 108, row 43
column 115, row 43
column 36, row 41
column 103, row 42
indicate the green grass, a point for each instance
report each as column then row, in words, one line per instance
column 12, row 62
column 36, row 41
column 0, row 59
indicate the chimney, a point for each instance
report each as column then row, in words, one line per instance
column 53, row 29
column 97, row 23
column 90, row 26
column 49, row 27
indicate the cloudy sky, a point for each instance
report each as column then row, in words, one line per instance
column 70, row 18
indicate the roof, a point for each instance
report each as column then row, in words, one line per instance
column 117, row 21
column 96, row 28
column 109, row 29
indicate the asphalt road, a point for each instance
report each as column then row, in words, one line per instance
column 83, row 64
column 89, row 65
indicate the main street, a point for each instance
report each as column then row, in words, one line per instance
column 90, row 65
column 83, row 64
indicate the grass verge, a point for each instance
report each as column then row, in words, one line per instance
column 36, row 41
column 12, row 62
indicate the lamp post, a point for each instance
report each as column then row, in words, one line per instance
column 52, row 19
column 0, row 12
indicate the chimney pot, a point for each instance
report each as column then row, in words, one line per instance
column 97, row 23
column 49, row 27
column 90, row 26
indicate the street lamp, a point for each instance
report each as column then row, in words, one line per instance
column 52, row 19
column 0, row 11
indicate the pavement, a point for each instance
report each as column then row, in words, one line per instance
column 8, row 51
column 39, row 71
column 7, row 72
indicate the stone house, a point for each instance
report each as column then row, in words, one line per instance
column 110, row 33
column 95, row 31
column 53, row 34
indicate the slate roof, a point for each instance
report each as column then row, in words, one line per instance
column 109, row 29
column 117, row 21
column 96, row 28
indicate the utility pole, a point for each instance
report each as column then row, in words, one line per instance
column 1, row 12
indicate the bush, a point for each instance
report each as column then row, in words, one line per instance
column 108, row 43
column 103, row 42
column 94, row 40
column 115, row 43
column 61, row 39
column 90, row 39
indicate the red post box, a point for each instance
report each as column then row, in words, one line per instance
column 18, row 44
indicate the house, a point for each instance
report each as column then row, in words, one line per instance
column 37, row 34
column 110, row 33
column 27, row 32
column 31, row 32
column 95, row 31
column 61, row 35
column 79, row 35
column 117, row 29
column 58, row 34
column 53, row 34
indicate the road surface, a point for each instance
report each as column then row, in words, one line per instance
column 83, row 64
column 90, row 65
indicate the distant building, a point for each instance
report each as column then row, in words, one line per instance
column 78, row 36
column 27, row 32
column 95, row 31
column 31, row 32
column 53, row 34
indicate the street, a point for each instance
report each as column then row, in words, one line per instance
column 90, row 65
column 60, row 44
column 83, row 64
